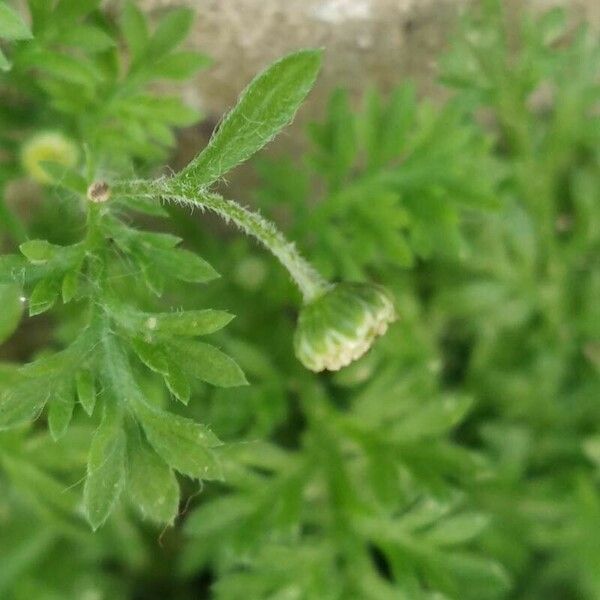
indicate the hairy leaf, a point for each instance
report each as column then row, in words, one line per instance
column 207, row 363
column 10, row 311
column 86, row 390
column 267, row 105
column 152, row 485
column 135, row 29
column 60, row 409
column 183, row 444
column 12, row 26
column 22, row 401
column 105, row 469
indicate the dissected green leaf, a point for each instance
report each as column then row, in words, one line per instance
column 134, row 27
column 151, row 355
column 46, row 493
column 66, row 68
column 70, row 10
column 178, row 383
column 4, row 62
column 10, row 311
column 433, row 418
column 70, row 284
column 206, row 362
column 212, row 518
column 337, row 140
column 156, row 358
column 60, row 409
column 180, row 65
column 86, row 390
column 22, row 402
column 12, row 26
column 189, row 323
column 171, row 30
column 183, row 444
column 15, row 269
column 183, row 264
column 105, row 469
column 43, row 296
column 482, row 577
column 457, row 529
column 159, row 255
column 88, row 38
column 38, row 251
column 152, row 485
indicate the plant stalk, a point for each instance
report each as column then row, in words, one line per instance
column 310, row 283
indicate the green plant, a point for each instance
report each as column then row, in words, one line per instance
column 137, row 444
column 458, row 458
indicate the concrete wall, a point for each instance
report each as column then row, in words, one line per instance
column 367, row 41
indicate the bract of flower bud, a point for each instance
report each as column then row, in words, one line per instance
column 50, row 146
column 342, row 324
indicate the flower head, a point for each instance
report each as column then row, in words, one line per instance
column 51, row 146
column 341, row 325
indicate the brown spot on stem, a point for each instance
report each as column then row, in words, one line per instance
column 98, row 192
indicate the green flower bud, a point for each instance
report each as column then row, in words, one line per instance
column 341, row 325
column 50, row 146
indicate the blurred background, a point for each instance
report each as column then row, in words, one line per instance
column 369, row 42
column 450, row 151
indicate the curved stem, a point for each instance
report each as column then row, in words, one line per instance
column 308, row 280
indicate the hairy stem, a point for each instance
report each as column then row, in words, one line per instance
column 308, row 280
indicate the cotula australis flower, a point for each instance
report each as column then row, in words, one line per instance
column 341, row 325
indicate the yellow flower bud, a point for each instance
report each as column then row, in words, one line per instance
column 50, row 146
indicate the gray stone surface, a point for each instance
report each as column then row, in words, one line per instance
column 367, row 42
column 377, row 42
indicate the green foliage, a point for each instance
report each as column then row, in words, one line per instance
column 12, row 307
column 12, row 27
column 528, row 304
column 99, row 369
column 391, row 182
column 105, row 468
column 268, row 104
column 98, row 95
column 458, row 459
